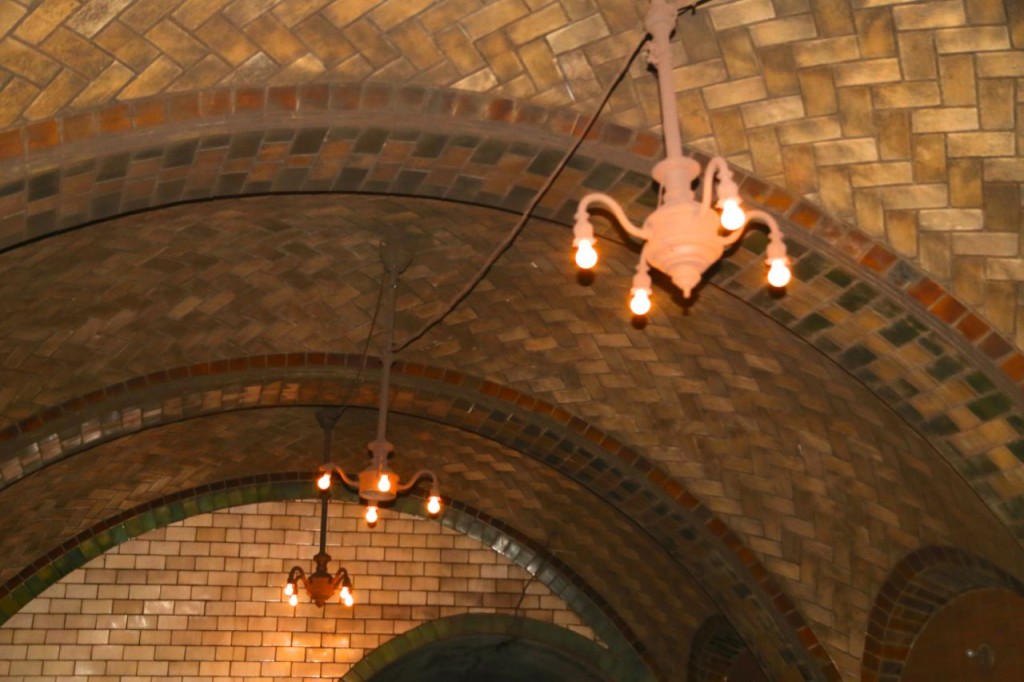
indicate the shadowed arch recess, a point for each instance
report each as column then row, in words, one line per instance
column 920, row 585
column 510, row 649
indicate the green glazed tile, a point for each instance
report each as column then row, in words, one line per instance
column 991, row 406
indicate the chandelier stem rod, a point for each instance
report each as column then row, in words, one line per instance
column 324, row 496
column 661, row 23
column 387, row 354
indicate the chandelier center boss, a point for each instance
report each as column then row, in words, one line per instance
column 683, row 236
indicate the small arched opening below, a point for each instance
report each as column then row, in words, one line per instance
column 495, row 658
column 976, row 636
column 494, row 648
column 945, row 613
column 719, row 654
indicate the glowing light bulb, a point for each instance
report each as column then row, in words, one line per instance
column 640, row 304
column 733, row 217
column 371, row 514
column 586, row 256
column 779, row 274
column 293, row 600
column 384, row 483
column 434, row 505
column 289, row 590
column 324, row 482
column 348, row 600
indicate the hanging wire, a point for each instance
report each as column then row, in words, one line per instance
column 364, row 356
column 528, row 211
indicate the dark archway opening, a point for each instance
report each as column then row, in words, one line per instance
column 489, row 658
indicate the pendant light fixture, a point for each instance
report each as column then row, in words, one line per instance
column 683, row 236
column 378, row 483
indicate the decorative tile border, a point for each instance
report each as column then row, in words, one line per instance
column 688, row 531
column 926, row 354
column 550, row 636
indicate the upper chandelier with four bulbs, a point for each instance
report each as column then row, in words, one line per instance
column 684, row 236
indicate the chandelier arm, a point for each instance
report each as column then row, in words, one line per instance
column 350, row 482
column 733, row 236
column 339, row 576
column 415, row 479
column 716, row 166
column 774, row 231
column 776, row 245
column 615, row 208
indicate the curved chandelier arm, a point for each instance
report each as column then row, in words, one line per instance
column 727, row 188
column 341, row 578
column 422, row 473
column 582, row 214
column 335, row 469
column 733, row 236
column 297, row 574
column 774, row 231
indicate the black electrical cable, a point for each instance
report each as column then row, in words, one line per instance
column 528, row 211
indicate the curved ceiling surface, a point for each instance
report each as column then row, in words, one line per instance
column 896, row 116
column 820, row 480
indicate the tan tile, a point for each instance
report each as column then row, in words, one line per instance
column 982, row 144
column 577, row 34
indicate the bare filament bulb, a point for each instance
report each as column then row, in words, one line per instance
column 434, row 505
column 640, row 303
column 586, row 256
column 779, row 274
column 733, row 217
column 384, row 483
column 371, row 514
column 324, row 482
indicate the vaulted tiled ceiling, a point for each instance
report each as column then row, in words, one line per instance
column 899, row 119
column 898, row 116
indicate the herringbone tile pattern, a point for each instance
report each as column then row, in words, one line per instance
column 899, row 117
column 825, row 485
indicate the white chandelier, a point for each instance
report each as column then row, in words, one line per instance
column 683, row 236
column 377, row 483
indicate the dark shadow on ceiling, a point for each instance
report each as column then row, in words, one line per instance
column 488, row 658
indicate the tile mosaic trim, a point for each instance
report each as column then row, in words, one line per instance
column 688, row 531
column 899, row 332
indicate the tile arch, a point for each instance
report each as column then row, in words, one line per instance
column 913, row 343
column 659, row 506
column 918, row 587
